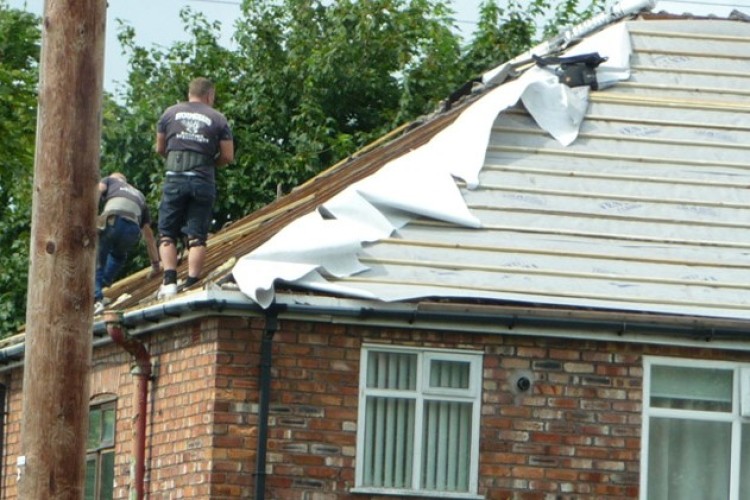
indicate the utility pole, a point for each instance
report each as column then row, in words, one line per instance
column 62, row 252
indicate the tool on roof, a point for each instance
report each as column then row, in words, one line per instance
column 574, row 71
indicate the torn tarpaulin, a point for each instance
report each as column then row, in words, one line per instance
column 421, row 182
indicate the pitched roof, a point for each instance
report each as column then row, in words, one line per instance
column 645, row 209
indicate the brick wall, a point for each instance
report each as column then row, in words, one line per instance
column 574, row 434
column 199, row 443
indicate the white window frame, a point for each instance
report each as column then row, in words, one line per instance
column 472, row 394
column 740, row 371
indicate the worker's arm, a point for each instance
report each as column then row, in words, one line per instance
column 153, row 253
column 226, row 153
column 161, row 144
column 101, row 218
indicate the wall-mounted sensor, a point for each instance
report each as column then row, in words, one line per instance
column 520, row 381
column 523, row 384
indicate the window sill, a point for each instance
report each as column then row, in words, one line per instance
column 414, row 493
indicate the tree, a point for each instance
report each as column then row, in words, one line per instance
column 19, row 62
column 308, row 85
column 511, row 27
column 312, row 81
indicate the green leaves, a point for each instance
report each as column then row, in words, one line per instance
column 323, row 79
column 19, row 62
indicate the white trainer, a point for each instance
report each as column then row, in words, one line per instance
column 167, row 291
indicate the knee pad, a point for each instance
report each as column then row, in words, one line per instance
column 194, row 241
column 165, row 241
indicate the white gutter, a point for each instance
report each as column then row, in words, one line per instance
column 604, row 326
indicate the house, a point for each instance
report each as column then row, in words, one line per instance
column 540, row 292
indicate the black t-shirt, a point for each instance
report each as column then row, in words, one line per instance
column 197, row 127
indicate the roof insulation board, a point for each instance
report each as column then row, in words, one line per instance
column 646, row 209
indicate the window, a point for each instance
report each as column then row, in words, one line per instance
column 418, row 430
column 696, row 434
column 100, row 454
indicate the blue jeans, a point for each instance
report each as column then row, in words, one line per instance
column 115, row 241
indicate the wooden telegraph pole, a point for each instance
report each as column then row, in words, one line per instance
column 62, row 253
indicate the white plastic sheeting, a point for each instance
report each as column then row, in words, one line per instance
column 420, row 183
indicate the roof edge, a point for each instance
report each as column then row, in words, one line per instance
column 494, row 319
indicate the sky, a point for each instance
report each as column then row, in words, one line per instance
column 157, row 22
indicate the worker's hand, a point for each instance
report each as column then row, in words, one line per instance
column 155, row 269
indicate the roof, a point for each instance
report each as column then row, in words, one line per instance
column 642, row 205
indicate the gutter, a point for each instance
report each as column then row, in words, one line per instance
column 589, row 324
column 545, row 322
column 658, row 329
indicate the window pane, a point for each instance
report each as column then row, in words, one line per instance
column 90, row 490
column 745, row 462
column 449, row 374
column 685, row 388
column 107, row 481
column 688, row 459
column 389, row 442
column 108, row 426
column 95, row 425
column 447, row 443
column 391, row 370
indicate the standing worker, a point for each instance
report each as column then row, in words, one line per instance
column 195, row 139
column 124, row 218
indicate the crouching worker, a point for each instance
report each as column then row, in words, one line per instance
column 194, row 139
column 124, row 218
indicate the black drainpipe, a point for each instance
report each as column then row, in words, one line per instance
column 272, row 324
